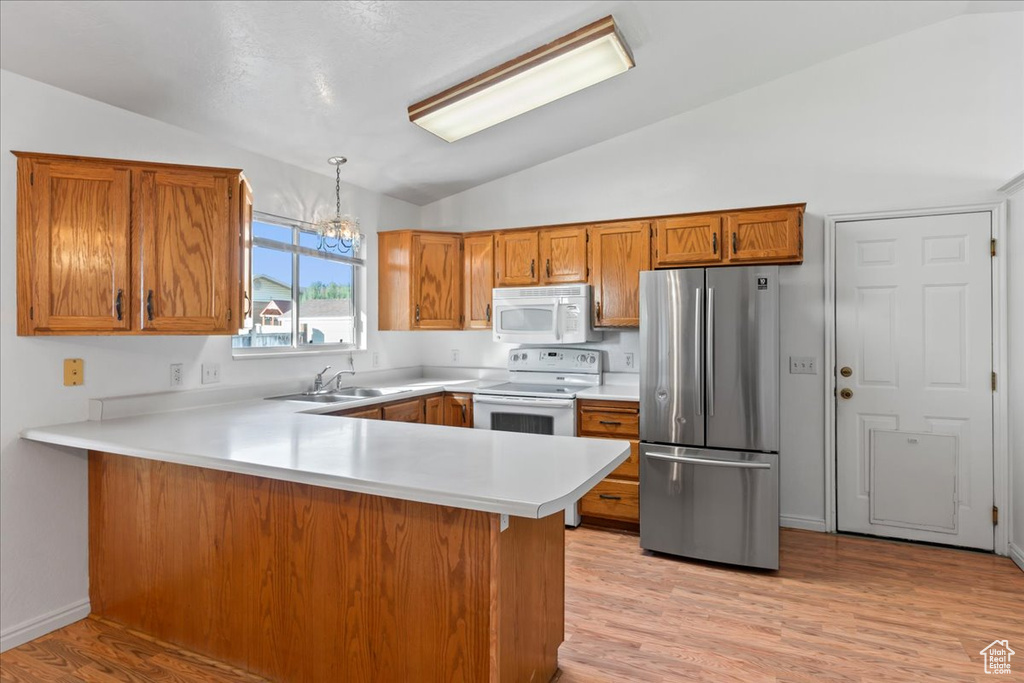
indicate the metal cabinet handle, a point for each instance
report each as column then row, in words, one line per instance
column 599, row 311
column 488, row 313
column 119, row 304
column 248, row 303
column 547, row 267
column 417, row 312
column 734, row 249
column 533, row 267
column 463, row 406
column 605, row 496
column 149, row 304
column 714, row 243
column 609, row 422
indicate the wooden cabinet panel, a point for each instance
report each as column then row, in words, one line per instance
column 688, row 240
column 618, row 252
column 774, row 236
column 615, row 499
column 186, row 232
column 517, row 256
column 609, row 423
column 367, row 413
column 436, row 277
column 434, row 409
column 630, row 469
column 245, row 254
column 458, row 410
column 74, row 225
column 478, row 280
column 412, row 410
column 563, row 255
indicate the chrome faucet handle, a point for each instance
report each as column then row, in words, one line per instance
column 318, row 381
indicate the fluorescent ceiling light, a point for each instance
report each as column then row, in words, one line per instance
column 573, row 62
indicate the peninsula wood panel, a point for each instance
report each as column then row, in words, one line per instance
column 478, row 280
column 437, row 272
column 517, row 254
column 688, row 240
column 74, row 228
column 770, row 236
column 412, row 410
column 303, row 583
column 369, row 413
column 618, row 252
column 563, row 255
column 458, row 410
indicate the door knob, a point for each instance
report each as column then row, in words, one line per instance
column 846, row 371
column 846, row 393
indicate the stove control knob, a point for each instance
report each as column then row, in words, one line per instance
column 581, row 358
column 524, row 356
column 515, row 358
column 591, row 359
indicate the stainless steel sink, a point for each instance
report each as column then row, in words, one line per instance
column 360, row 392
column 331, row 397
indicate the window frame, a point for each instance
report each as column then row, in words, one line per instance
column 295, row 250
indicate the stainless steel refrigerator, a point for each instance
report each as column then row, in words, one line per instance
column 709, row 413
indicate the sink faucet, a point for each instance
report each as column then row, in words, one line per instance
column 320, row 386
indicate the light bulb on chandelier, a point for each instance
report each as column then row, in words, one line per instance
column 339, row 233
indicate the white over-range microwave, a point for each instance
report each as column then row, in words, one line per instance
column 556, row 314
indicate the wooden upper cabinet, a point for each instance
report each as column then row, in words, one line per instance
column 687, row 241
column 770, row 235
column 478, row 280
column 420, row 280
column 245, row 242
column 517, row 256
column 107, row 246
column 74, row 242
column 437, row 273
column 187, row 232
column 563, row 255
column 618, row 252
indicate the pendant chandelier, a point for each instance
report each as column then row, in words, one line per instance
column 339, row 233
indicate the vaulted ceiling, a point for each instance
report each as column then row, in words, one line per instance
column 301, row 81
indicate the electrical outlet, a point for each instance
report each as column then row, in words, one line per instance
column 177, row 374
column 211, row 373
column 376, row 359
column 455, row 355
column 803, row 365
column 630, row 362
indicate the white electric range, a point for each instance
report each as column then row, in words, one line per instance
column 540, row 396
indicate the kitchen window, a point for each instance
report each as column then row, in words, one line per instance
column 304, row 296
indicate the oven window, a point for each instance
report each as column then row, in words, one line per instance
column 526, row 424
column 527, row 319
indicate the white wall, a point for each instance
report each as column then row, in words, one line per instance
column 43, row 542
column 929, row 118
column 1014, row 250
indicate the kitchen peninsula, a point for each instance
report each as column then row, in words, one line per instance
column 306, row 547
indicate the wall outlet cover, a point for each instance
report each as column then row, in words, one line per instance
column 211, row 373
column 803, row 365
column 455, row 355
column 177, row 374
column 376, row 359
column 74, row 372
column 630, row 360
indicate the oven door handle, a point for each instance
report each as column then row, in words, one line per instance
column 525, row 402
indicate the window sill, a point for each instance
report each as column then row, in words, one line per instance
column 288, row 352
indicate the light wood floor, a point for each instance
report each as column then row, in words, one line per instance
column 841, row 609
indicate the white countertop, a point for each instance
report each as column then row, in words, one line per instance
column 524, row 475
column 611, row 392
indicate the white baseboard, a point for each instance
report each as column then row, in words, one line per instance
column 799, row 522
column 41, row 625
column 1016, row 554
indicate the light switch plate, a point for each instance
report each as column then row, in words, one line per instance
column 211, row 373
column 803, row 365
column 74, row 372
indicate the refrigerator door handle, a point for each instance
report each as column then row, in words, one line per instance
column 698, row 367
column 742, row 464
column 709, row 373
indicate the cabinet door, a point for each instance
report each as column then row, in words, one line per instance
column 478, row 280
column 563, row 255
column 688, row 241
column 186, row 223
column 434, row 410
column 74, row 231
column 435, row 280
column 517, row 255
column 245, row 254
column 370, row 413
column 412, row 410
column 774, row 235
column 458, row 410
column 618, row 252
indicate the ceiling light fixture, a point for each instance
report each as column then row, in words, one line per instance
column 575, row 61
column 339, row 233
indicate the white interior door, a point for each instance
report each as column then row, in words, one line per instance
column 913, row 376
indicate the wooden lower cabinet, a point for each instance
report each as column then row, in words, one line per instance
column 616, row 500
column 434, row 409
column 452, row 409
column 458, row 410
column 370, row 413
column 412, row 410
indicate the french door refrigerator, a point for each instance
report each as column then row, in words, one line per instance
column 709, row 413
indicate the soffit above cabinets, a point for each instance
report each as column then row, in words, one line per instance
column 283, row 78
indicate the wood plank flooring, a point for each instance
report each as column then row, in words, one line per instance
column 841, row 609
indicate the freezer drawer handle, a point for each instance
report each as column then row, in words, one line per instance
column 743, row 464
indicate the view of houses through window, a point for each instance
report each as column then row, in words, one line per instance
column 302, row 296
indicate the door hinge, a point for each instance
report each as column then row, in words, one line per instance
column 995, row 515
column 993, row 381
column 992, row 246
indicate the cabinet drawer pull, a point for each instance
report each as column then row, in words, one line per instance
column 609, row 422
column 118, row 304
column 547, row 267
column 417, row 312
column 598, row 311
column 605, row 496
column 533, row 267
column 149, row 304
column 714, row 243
column 734, row 249
column 488, row 313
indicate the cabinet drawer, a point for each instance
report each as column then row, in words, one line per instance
column 613, row 499
column 630, row 469
column 616, row 424
column 405, row 411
